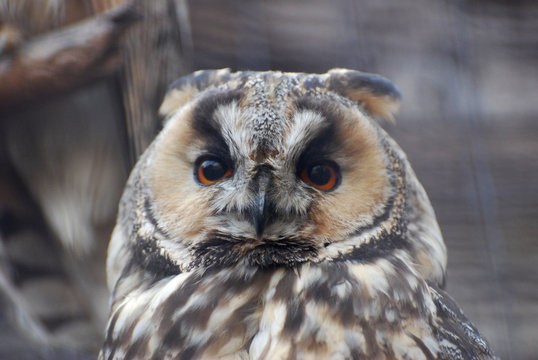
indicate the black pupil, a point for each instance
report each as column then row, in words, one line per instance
column 213, row 170
column 319, row 174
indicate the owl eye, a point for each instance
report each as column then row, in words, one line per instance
column 211, row 170
column 321, row 175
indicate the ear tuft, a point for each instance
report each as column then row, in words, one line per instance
column 185, row 88
column 378, row 96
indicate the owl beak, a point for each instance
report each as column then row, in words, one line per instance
column 261, row 206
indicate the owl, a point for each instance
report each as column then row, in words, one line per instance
column 273, row 218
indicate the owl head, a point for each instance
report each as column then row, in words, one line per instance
column 273, row 169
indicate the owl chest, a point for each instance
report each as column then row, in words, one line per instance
column 289, row 316
column 243, row 313
column 273, row 326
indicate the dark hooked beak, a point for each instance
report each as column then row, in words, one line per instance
column 261, row 210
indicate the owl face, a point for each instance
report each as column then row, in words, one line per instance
column 232, row 165
column 275, row 169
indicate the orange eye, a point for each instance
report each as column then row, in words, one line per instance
column 321, row 175
column 211, row 170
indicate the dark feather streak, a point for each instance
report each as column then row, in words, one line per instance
column 204, row 123
column 223, row 250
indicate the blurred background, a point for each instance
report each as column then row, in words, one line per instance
column 81, row 81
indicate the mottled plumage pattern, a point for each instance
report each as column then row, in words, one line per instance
column 263, row 264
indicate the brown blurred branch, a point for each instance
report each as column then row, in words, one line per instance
column 66, row 58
